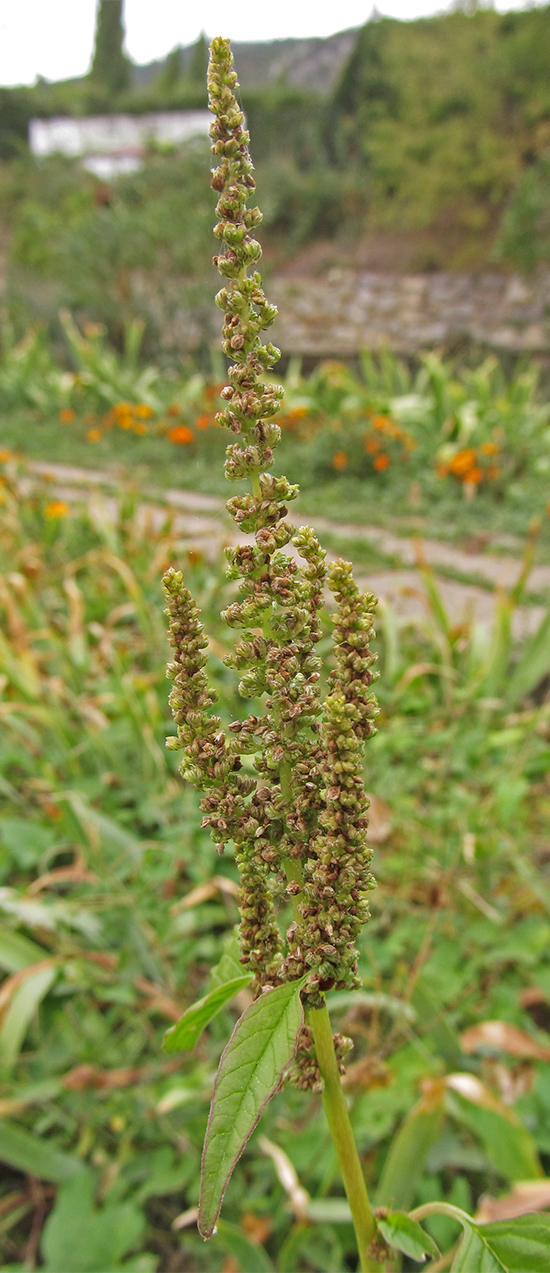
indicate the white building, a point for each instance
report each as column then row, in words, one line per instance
column 114, row 144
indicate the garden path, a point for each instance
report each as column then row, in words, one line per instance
column 199, row 522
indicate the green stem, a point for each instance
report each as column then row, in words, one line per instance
column 440, row 1209
column 284, row 779
column 336, row 1111
column 334, row 1100
column 293, row 871
column 292, row 867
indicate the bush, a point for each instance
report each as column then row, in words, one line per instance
column 524, row 236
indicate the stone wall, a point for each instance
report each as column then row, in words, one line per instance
column 348, row 310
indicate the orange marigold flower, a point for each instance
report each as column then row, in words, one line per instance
column 66, row 415
column 123, row 410
column 493, row 472
column 56, row 508
column 392, row 430
column 202, row 422
column 475, row 476
column 140, row 429
column 463, row 461
column 489, row 448
column 173, row 409
column 380, row 422
column 381, row 462
column 4, row 456
column 180, row 434
column 144, row 411
column 372, row 446
column 94, row 435
column 213, row 391
column 339, row 460
column 297, row 413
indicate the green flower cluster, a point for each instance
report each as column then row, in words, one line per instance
column 299, row 827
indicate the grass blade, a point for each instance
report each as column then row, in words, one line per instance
column 33, row 985
column 17, row 952
column 532, row 665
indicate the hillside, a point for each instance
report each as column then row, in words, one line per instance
column 446, row 116
column 427, row 150
column 314, row 64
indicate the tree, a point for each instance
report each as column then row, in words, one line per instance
column 16, row 109
column 110, row 66
column 199, row 61
column 171, row 71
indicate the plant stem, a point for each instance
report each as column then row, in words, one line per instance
column 336, row 1111
column 440, row 1209
column 334, row 1101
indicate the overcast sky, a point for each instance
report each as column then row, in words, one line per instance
column 54, row 38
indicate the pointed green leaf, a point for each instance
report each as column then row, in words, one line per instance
column 185, row 1033
column 259, row 1051
column 230, row 965
column 520, row 1244
column 474, row 1255
column 399, row 1231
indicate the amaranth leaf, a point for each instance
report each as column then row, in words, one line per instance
column 230, row 965
column 399, row 1231
column 185, row 1033
column 252, row 1065
column 515, row 1246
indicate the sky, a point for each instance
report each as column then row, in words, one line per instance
column 54, row 38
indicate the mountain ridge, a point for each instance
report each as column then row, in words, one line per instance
column 299, row 63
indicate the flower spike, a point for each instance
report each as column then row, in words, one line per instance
column 299, row 825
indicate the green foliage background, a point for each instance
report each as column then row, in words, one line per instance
column 439, row 133
column 124, row 938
